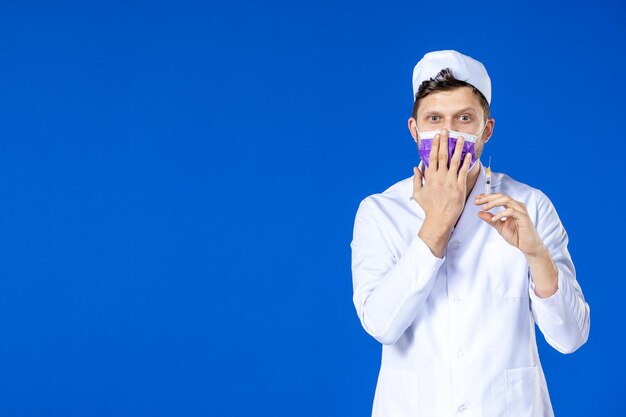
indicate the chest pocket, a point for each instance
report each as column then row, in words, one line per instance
column 507, row 270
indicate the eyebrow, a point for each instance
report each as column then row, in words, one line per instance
column 464, row 110
column 467, row 109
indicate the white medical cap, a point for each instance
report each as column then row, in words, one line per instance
column 463, row 68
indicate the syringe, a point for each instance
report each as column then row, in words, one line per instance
column 488, row 179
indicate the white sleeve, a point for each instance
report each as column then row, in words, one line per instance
column 563, row 318
column 388, row 292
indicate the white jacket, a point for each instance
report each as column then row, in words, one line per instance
column 458, row 333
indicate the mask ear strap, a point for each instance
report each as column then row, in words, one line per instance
column 481, row 131
column 417, row 132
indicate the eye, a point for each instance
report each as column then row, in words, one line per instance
column 466, row 118
column 432, row 118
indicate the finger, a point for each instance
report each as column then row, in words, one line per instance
column 487, row 218
column 513, row 212
column 417, row 180
column 509, row 212
column 485, row 198
column 464, row 169
column 442, row 155
column 432, row 158
column 504, row 201
column 456, row 155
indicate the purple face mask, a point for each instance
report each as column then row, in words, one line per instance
column 426, row 144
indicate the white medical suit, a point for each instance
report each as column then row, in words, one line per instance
column 458, row 333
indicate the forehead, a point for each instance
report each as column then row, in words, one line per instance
column 449, row 102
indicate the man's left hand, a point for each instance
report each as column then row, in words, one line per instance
column 513, row 223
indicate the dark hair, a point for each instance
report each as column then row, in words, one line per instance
column 445, row 81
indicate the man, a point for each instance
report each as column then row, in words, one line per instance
column 451, row 273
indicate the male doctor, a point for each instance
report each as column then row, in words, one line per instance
column 452, row 273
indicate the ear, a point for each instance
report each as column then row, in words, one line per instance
column 489, row 129
column 413, row 128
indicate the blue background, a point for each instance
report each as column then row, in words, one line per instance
column 179, row 181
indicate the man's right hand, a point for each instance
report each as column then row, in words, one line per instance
column 443, row 194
